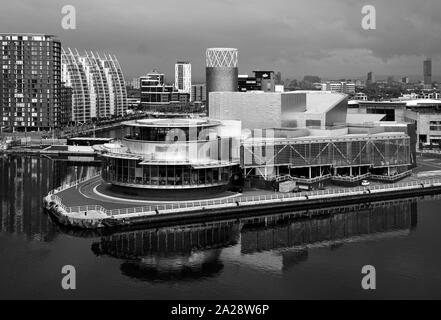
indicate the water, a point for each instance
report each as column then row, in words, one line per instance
column 261, row 258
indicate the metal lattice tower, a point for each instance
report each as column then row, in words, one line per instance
column 222, row 57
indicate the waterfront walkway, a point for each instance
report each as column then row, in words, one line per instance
column 85, row 194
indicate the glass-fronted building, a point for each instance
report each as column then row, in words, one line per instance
column 171, row 154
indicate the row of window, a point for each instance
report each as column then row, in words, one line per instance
column 126, row 171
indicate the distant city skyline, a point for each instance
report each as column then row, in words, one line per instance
column 298, row 38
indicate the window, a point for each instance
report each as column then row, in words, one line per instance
column 313, row 123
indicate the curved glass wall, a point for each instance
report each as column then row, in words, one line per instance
column 171, row 153
column 131, row 172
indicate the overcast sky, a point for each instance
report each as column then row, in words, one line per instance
column 296, row 37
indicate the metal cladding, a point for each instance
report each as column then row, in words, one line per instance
column 221, row 58
column 221, row 79
column 221, row 71
column 97, row 83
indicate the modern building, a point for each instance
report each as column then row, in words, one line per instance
column 405, row 80
column 65, row 105
column 246, row 83
column 183, row 76
column 424, row 114
column 134, row 83
column 295, row 109
column 370, row 78
column 156, row 93
column 98, row 86
column 360, row 96
column 30, row 82
column 261, row 81
column 266, row 80
column 278, row 78
column 347, row 87
column 221, row 70
column 427, row 72
column 198, row 93
column 305, row 135
column 182, row 155
column 393, row 110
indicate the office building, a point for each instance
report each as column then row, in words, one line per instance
column 370, row 78
column 427, row 72
column 339, row 86
column 425, row 114
column 261, row 81
column 265, row 80
column 221, row 70
column 155, row 93
column 247, row 83
column 30, row 82
column 183, row 76
column 198, row 93
column 98, row 86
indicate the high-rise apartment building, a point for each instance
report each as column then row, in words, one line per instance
column 183, row 76
column 30, row 81
column 98, row 86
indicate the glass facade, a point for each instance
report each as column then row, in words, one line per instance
column 372, row 152
column 159, row 134
column 129, row 171
column 150, row 158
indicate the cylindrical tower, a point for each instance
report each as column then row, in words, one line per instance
column 221, row 69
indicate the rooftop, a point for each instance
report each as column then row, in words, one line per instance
column 172, row 123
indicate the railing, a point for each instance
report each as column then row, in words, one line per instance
column 312, row 180
column 73, row 184
column 246, row 200
column 351, row 179
column 392, row 178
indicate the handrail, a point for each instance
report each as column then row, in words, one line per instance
column 73, row 184
column 243, row 200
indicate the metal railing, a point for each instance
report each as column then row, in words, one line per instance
column 351, row 179
column 73, row 184
column 247, row 200
column 392, row 178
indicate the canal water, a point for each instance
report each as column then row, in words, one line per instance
column 270, row 257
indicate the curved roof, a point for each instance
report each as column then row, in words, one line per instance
column 172, row 123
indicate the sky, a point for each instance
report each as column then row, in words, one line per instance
column 295, row 37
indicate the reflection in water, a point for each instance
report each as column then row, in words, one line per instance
column 185, row 253
column 24, row 182
column 274, row 243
